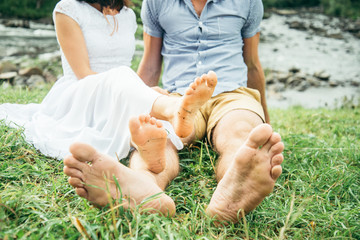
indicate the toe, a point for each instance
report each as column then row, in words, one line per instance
column 190, row 90
column 83, row 153
column 81, row 192
column 199, row 80
column 142, row 118
column 73, row 172
column 212, row 79
column 134, row 124
column 152, row 121
column 275, row 138
column 259, row 136
column 75, row 182
column 276, row 172
column 277, row 160
column 159, row 124
column 276, row 148
column 147, row 118
column 72, row 162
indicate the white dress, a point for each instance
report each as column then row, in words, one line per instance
column 94, row 110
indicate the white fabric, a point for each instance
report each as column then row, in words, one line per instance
column 94, row 110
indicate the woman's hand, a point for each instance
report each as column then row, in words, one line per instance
column 160, row 90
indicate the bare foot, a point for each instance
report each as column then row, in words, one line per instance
column 251, row 177
column 92, row 175
column 149, row 138
column 195, row 96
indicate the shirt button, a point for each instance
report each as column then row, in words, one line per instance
column 199, row 62
column 200, row 24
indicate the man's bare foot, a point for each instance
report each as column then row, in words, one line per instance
column 149, row 138
column 92, row 175
column 195, row 96
column 251, row 176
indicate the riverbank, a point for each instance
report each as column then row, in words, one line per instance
column 318, row 189
column 309, row 59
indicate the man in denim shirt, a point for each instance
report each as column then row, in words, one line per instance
column 192, row 37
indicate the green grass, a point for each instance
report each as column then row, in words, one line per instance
column 316, row 197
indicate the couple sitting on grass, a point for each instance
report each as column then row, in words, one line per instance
column 97, row 111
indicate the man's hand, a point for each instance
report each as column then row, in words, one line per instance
column 160, row 90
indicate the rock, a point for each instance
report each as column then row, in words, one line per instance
column 30, row 71
column 269, row 78
column 353, row 27
column 283, row 77
column 313, row 81
column 301, row 76
column 318, row 27
column 278, row 87
column 297, row 25
column 354, row 84
column 294, row 70
column 293, row 81
column 333, row 83
column 322, row 76
column 46, row 21
column 49, row 77
column 20, row 81
column 16, row 23
column 302, row 86
column 285, row 12
column 336, row 34
column 35, row 81
column 8, row 67
column 8, row 76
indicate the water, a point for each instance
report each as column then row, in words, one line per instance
column 284, row 48
column 281, row 48
column 22, row 42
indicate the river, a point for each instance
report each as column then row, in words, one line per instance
column 281, row 49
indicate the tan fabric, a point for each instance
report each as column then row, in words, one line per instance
column 214, row 109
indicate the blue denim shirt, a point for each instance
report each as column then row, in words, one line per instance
column 193, row 45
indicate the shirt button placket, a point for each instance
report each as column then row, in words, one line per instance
column 199, row 55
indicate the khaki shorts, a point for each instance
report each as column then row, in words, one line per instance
column 216, row 107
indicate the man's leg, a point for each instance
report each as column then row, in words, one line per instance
column 248, row 166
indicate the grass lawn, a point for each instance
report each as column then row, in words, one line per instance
column 316, row 197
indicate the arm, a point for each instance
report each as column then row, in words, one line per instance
column 150, row 66
column 256, row 77
column 73, row 45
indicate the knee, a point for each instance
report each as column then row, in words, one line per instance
column 233, row 129
column 233, row 134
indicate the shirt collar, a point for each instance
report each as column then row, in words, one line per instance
column 215, row 1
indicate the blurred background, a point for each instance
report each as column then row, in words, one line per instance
column 310, row 49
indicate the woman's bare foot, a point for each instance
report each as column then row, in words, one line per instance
column 195, row 96
column 251, row 177
column 92, row 175
column 149, row 138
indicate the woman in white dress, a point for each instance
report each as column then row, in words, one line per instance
column 98, row 93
